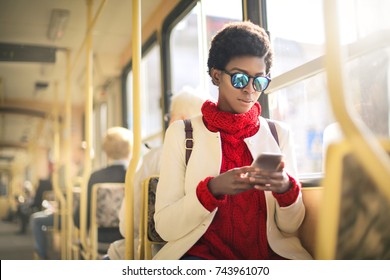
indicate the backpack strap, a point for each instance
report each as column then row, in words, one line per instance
column 189, row 140
column 272, row 127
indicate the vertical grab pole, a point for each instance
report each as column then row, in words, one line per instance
column 68, row 155
column 88, row 134
column 56, row 179
column 129, row 181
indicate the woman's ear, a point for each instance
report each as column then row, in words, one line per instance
column 216, row 76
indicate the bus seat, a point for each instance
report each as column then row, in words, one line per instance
column 307, row 233
column 106, row 201
column 150, row 240
column 355, row 223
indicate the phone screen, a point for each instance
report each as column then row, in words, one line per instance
column 268, row 161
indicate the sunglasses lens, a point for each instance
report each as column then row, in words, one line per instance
column 240, row 80
column 260, row 83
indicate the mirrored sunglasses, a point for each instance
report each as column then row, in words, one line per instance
column 241, row 80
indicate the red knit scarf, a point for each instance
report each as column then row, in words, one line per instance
column 234, row 128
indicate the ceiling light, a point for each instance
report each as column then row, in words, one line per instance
column 58, row 20
column 40, row 87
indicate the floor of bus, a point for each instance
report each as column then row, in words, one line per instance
column 15, row 246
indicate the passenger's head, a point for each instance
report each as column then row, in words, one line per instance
column 239, row 62
column 186, row 104
column 118, row 143
column 239, row 39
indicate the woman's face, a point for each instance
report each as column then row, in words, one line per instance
column 238, row 101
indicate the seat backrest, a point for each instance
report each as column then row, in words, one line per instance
column 108, row 198
column 106, row 201
column 355, row 224
column 308, row 231
column 152, row 233
column 150, row 240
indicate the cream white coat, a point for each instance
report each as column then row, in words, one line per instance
column 181, row 219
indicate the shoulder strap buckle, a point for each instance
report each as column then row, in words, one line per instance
column 189, row 140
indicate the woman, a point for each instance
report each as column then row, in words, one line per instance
column 218, row 206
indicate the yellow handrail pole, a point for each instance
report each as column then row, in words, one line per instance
column 56, row 186
column 245, row 9
column 33, row 148
column 90, row 26
column 68, row 156
column 364, row 144
column 129, row 181
column 88, row 135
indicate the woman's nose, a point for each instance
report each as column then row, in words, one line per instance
column 250, row 86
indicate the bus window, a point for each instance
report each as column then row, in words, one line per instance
column 150, row 96
column 305, row 107
column 300, row 98
column 189, row 50
column 367, row 29
column 299, row 37
column 359, row 19
column 303, row 104
column 184, row 48
column 368, row 89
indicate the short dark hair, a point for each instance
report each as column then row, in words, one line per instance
column 239, row 39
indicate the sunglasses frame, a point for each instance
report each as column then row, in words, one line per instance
column 249, row 77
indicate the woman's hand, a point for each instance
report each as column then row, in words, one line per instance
column 234, row 181
column 241, row 179
column 276, row 181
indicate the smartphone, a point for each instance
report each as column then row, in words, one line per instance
column 268, row 161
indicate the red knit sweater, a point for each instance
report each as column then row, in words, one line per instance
column 238, row 230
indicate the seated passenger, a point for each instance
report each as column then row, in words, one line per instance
column 44, row 186
column 185, row 104
column 24, row 209
column 41, row 219
column 117, row 145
